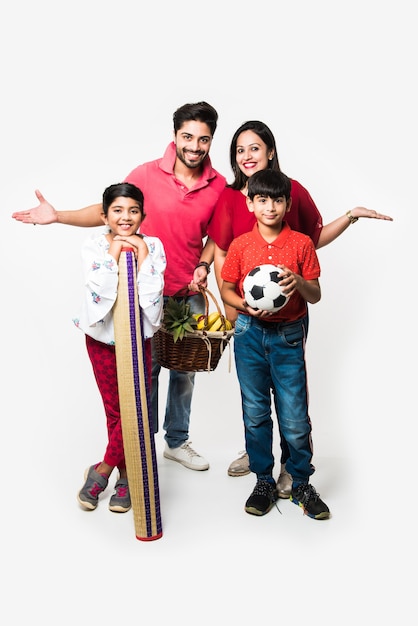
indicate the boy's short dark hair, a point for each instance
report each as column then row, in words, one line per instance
column 269, row 183
column 126, row 190
column 196, row 111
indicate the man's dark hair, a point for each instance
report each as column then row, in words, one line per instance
column 197, row 111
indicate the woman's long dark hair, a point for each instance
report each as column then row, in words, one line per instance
column 265, row 134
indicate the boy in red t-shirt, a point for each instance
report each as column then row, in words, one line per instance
column 270, row 347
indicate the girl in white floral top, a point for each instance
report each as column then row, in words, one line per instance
column 123, row 212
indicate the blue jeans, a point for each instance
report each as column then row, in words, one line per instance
column 283, row 444
column 271, row 356
column 179, row 394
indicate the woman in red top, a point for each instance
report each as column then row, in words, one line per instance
column 253, row 148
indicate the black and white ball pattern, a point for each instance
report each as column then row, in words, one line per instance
column 262, row 288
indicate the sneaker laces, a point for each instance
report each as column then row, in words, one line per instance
column 187, row 448
column 309, row 493
column 264, row 488
column 277, row 507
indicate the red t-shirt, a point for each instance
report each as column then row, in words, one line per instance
column 292, row 249
column 232, row 217
column 178, row 216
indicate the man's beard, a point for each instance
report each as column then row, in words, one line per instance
column 190, row 164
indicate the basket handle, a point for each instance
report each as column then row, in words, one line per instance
column 205, row 292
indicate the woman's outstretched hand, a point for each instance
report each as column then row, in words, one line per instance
column 361, row 211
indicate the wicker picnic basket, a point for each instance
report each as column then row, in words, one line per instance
column 197, row 351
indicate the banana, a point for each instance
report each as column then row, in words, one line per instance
column 215, row 321
column 217, row 324
column 200, row 319
column 225, row 325
column 212, row 318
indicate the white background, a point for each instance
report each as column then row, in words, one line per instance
column 88, row 93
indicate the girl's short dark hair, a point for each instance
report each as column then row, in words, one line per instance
column 126, row 190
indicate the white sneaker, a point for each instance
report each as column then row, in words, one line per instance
column 185, row 455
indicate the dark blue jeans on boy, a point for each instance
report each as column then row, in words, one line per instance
column 268, row 356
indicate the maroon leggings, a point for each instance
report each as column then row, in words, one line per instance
column 103, row 360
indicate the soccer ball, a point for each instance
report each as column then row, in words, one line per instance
column 262, row 288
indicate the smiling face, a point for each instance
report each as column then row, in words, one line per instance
column 124, row 216
column 269, row 211
column 193, row 141
column 252, row 154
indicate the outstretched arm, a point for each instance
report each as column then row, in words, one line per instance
column 334, row 229
column 45, row 213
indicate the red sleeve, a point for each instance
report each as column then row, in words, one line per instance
column 220, row 226
column 304, row 215
column 231, row 269
column 310, row 268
